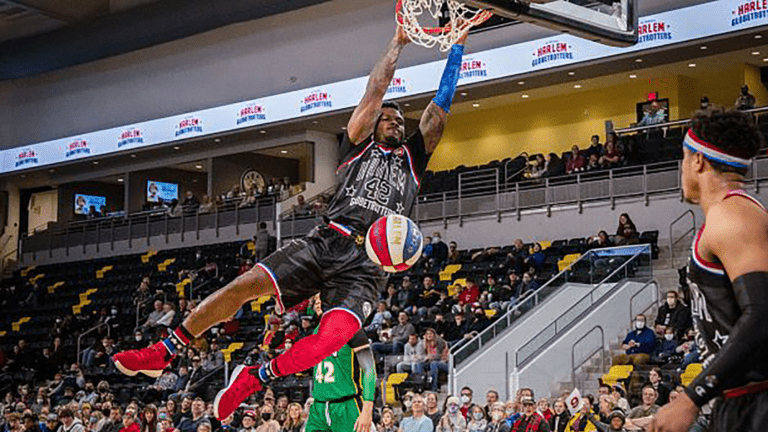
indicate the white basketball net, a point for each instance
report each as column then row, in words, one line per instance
column 461, row 17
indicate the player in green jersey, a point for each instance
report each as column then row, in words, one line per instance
column 343, row 389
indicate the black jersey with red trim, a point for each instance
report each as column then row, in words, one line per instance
column 377, row 180
column 714, row 306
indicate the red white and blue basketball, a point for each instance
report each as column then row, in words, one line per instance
column 394, row 242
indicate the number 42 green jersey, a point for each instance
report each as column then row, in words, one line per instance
column 340, row 376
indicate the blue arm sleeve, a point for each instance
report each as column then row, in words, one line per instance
column 444, row 96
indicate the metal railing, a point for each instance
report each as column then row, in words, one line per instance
column 675, row 240
column 676, row 123
column 632, row 268
column 581, row 271
column 90, row 330
column 600, row 349
column 142, row 226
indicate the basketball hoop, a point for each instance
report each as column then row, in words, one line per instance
column 460, row 17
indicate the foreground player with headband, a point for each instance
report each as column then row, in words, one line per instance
column 728, row 274
column 379, row 175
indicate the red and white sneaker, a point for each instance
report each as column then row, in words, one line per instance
column 243, row 383
column 149, row 361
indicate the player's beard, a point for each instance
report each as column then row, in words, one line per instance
column 391, row 141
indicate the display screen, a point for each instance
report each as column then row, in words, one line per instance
column 83, row 203
column 157, row 191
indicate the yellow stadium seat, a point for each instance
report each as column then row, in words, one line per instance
column 234, row 346
column 100, row 273
column 36, row 278
column 448, row 271
column 256, row 304
column 164, row 265
column 616, row 373
column 53, row 287
column 145, row 258
column 180, row 287
column 251, row 246
column 545, row 244
column 691, row 372
column 490, row 313
column 567, row 260
column 16, row 325
column 26, row 271
column 389, row 386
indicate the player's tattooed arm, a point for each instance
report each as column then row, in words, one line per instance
column 364, row 117
column 432, row 125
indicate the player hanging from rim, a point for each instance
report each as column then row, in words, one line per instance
column 728, row 273
column 379, row 175
column 344, row 388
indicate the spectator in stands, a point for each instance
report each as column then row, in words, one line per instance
column 537, row 258
column 746, row 100
column 261, row 242
column 640, row 415
column 662, row 388
column 466, row 401
column 674, row 314
column 497, row 421
column 528, row 286
column 576, row 162
column 615, row 422
column 536, row 167
column 610, row 157
column 387, row 423
column 655, row 115
column 530, row 420
column 517, row 256
column 453, row 420
column 418, row 422
column 294, row 422
column 601, row 240
column 31, row 423
column 161, row 387
column 439, row 250
column 190, row 203
column 432, row 410
column 665, row 350
column 480, row 322
column 406, row 296
column 207, row 206
column 70, row 423
column 249, row 199
column 476, row 421
column 414, row 356
column 381, row 315
column 426, row 301
column 618, row 393
column 559, row 420
column 605, row 406
column 436, row 352
column 454, row 256
column 301, row 208
column 456, row 330
column 626, row 232
column 593, row 163
column 234, row 192
column 638, row 344
column 580, row 421
column 190, row 424
column 399, row 334
column 595, row 148
column 543, row 409
column 149, row 421
column 469, row 294
column 554, row 166
column 154, row 316
column 248, row 422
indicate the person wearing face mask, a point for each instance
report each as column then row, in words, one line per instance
column 497, row 423
column 665, row 350
column 673, row 313
column 559, row 420
column 268, row 423
column 453, row 420
column 639, row 344
column 477, row 422
column 466, row 402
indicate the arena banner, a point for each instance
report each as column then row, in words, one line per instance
column 681, row 25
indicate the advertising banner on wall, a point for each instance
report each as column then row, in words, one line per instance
column 681, row 25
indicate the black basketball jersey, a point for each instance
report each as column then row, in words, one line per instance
column 714, row 307
column 377, row 180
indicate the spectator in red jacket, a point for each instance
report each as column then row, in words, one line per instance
column 470, row 294
column 576, row 162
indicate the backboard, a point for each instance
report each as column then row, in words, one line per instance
column 605, row 21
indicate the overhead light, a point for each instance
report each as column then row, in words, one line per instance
column 176, row 147
column 343, row 128
column 217, row 140
column 120, row 179
column 198, row 166
column 51, row 170
column 407, row 104
column 284, row 151
column 23, row 176
column 633, row 76
column 639, row 60
column 262, row 131
column 571, row 73
column 463, row 93
column 703, row 47
column 758, row 36
column 755, row 52
column 765, row 59
column 691, row 65
column 315, row 122
column 475, row 105
column 577, row 86
column 525, row 96
column 95, row 162
column 521, row 82
column 133, row 155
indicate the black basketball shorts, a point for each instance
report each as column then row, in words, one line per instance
column 329, row 263
column 744, row 413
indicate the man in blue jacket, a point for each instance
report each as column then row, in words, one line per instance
column 638, row 345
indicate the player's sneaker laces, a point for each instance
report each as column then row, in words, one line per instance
column 149, row 361
column 244, row 382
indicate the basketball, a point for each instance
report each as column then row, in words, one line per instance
column 394, row 242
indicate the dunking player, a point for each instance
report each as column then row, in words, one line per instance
column 379, row 175
column 728, row 272
column 344, row 388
